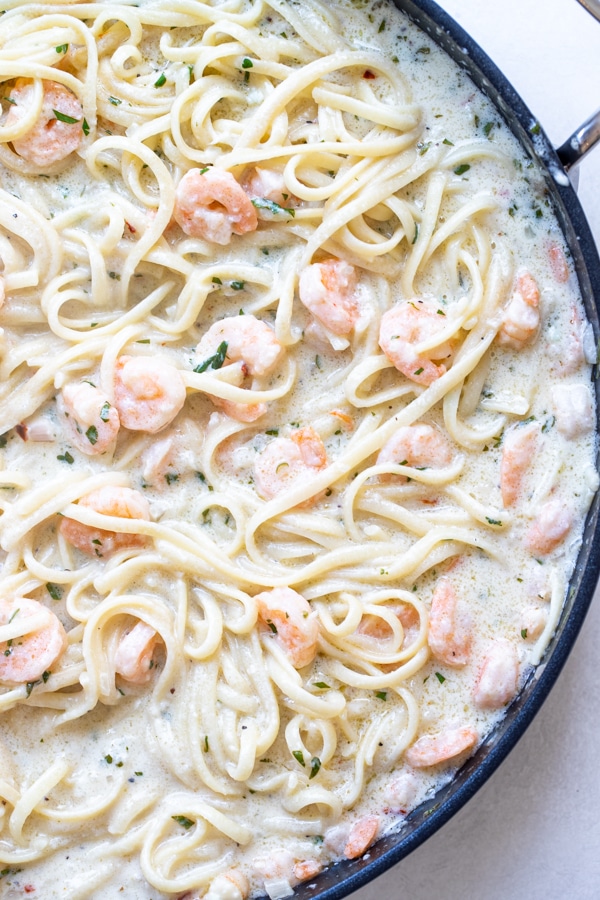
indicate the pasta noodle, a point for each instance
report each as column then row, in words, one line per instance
column 298, row 437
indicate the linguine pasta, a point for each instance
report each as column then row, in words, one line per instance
column 298, row 438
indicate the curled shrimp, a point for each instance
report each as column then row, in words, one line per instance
column 518, row 448
column 92, row 422
column 268, row 184
column 362, row 834
column 25, row 658
column 419, row 446
column 53, row 137
column 149, row 392
column 521, row 320
column 573, row 407
column 232, row 885
column 122, row 502
column 291, row 622
column 549, row 528
column 402, row 329
column 210, row 204
column 499, row 676
column 246, row 340
column 449, row 627
column 432, row 749
column 327, row 289
column 134, row 657
column 289, row 460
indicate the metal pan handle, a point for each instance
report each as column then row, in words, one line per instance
column 581, row 141
column 588, row 134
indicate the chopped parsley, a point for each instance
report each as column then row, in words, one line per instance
column 63, row 117
column 460, row 170
column 272, row 207
column 160, row 80
column 183, row 821
column 315, row 765
column 92, row 435
column 299, row 756
column 54, row 590
column 105, row 412
column 66, row 457
column 440, row 677
column 214, row 362
column 381, row 695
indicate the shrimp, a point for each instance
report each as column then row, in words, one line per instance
column 267, row 184
column 243, row 339
column 521, row 320
column 558, row 263
column 307, row 868
column 248, row 340
column 362, row 834
column 210, row 204
column 286, row 461
column 402, row 328
column 574, row 409
column 121, row 502
column 402, row 792
column 292, row 623
column 231, row 885
column 420, row 446
column 26, row 657
column 93, row 423
column 327, row 289
column 449, row 627
column 533, row 622
column 549, row 528
column 53, row 137
column 518, row 449
column 134, row 658
column 432, row 749
column 499, row 676
column 149, row 392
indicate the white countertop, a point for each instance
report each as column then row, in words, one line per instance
column 533, row 831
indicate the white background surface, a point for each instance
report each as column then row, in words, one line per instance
column 533, row 831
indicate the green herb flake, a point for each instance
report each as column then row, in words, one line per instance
column 238, row 285
column 54, row 590
column 423, row 50
column 160, row 80
column 216, row 280
column 524, row 633
column 493, row 521
column 548, row 424
column 272, row 626
column 414, row 240
column 381, row 26
column 381, row 695
column 115, row 101
column 272, row 431
column 108, row 758
column 535, row 128
column 105, row 412
column 214, row 362
column 92, row 435
column 85, row 127
column 272, row 207
column 115, row 276
column 171, row 477
column 449, row 143
column 62, row 48
column 322, row 685
column 247, row 63
column 315, row 765
column 418, row 371
column 440, row 677
column 206, row 743
column 487, row 128
column 460, row 170
column 139, row 774
column 63, row 117
column 299, row 757
column 183, row 821
column 66, row 457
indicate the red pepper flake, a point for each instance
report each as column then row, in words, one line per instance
column 28, row 888
column 130, row 227
column 22, row 431
column 368, row 74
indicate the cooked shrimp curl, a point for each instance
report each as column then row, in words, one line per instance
column 521, row 320
column 148, row 392
column 210, row 204
column 433, row 749
column 286, row 461
column 121, row 502
column 419, row 446
column 25, row 657
column 91, row 420
column 291, row 622
column 327, row 289
column 518, row 449
column 134, row 658
column 449, row 627
column 53, row 137
column 245, row 340
column 401, row 331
